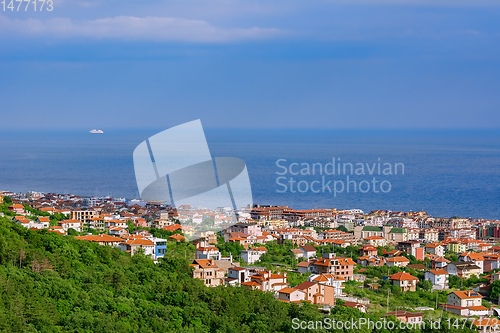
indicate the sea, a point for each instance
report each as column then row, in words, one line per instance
column 444, row 172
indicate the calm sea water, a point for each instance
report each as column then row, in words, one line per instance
column 447, row 173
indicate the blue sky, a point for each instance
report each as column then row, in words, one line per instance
column 252, row 64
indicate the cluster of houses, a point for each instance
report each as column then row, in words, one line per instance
column 412, row 233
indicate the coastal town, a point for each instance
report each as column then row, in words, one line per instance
column 408, row 265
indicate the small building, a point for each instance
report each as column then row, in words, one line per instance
column 237, row 275
column 439, row 262
column 308, row 251
column 291, row 295
column 397, row 261
column 463, row 269
column 207, row 270
column 474, row 258
column 368, row 250
column 375, row 241
column 177, row 238
column 354, row 305
column 405, row 281
column 160, row 247
column 438, row 278
column 17, row 208
column 305, row 266
column 70, row 224
column 408, row 317
column 297, row 253
column 465, row 303
column 133, row 245
column 435, row 248
column 208, row 252
column 253, row 254
column 317, row 293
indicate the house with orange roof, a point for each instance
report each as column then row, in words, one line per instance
column 57, row 229
column 438, row 277
column 291, row 295
column 316, row 293
column 237, row 275
column 407, row 317
column 485, row 324
column 269, row 281
column 118, row 231
column 439, row 262
column 71, row 224
column 132, row 245
column 370, row 261
column 330, row 264
column 44, row 220
column 397, row 261
column 368, row 250
column 207, row 270
column 208, row 252
column 474, row 258
column 308, row 251
column 331, row 280
column 17, row 208
column 306, row 266
column 435, row 248
column 177, row 238
column 375, row 240
column 50, row 210
column 102, row 239
column 465, row 303
column 405, row 281
column 463, row 269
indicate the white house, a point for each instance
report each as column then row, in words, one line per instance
column 291, row 295
column 133, row 245
column 438, row 277
column 237, row 275
column 397, row 261
column 331, row 280
column 70, row 224
column 253, row 254
column 308, row 251
column 435, row 248
column 208, row 252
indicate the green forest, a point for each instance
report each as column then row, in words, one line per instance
column 54, row 283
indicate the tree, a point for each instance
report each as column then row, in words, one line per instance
column 342, row 228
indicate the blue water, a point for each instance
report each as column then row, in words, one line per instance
column 447, row 172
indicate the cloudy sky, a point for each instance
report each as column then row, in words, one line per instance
column 252, row 63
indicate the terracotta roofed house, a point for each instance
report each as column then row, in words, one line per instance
column 405, row 281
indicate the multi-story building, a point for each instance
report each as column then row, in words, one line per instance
column 84, row 216
column 253, row 254
column 207, row 270
column 435, row 248
column 438, row 277
column 463, row 269
column 329, row 264
column 208, row 252
column 317, row 293
column 237, row 275
column 70, row 224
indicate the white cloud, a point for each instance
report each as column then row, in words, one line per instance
column 134, row 28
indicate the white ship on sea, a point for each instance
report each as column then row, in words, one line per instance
column 95, row 131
